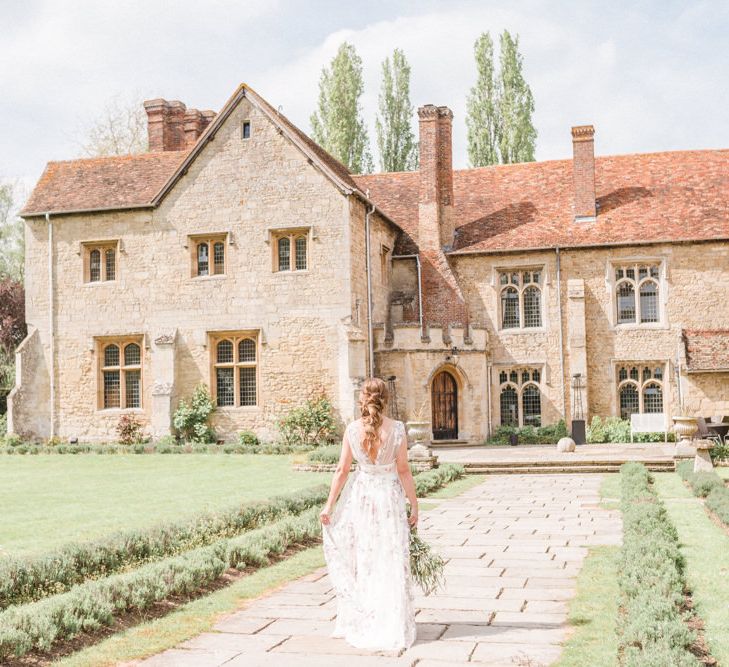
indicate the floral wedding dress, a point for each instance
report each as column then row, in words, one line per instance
column 366, row 546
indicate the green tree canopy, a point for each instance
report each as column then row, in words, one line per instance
column 337, row 124
column 12, row 242
column 395, row 139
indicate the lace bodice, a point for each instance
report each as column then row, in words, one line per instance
column 391, row 435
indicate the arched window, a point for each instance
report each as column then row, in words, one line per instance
column 521, row 299
column 235, row 372
column 284, row 254
column 510, row 308
column 218, row 257
column 121, row 375
column 110, row 263
column 509, row 406
column 95, row 266
column 626, row 302
column 203, row 259
column 531, row 405
column 640, row 389
column 637, row 292
column 300, row 253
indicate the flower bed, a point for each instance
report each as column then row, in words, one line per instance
column 25, row 580
column 95, row 604
column 652, row 626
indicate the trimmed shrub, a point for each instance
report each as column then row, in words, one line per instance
column 329, row 454
column 309, row 425
column 28, row 579
column 3, row 426
column 529, row 435
column 652, row 628
column 432, row 480
column 718, row 502
column 95, row 604
column 701, row 483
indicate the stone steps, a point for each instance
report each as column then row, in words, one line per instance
column 558, row 467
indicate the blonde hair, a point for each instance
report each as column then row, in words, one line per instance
column 372, row 402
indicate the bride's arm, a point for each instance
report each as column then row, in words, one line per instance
column 406, row 479
column 340, row 477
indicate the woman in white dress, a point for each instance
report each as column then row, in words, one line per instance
column 366, row 534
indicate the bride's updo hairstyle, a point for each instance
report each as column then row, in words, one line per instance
column 372, row 402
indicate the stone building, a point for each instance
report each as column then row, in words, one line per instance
column 239, row 254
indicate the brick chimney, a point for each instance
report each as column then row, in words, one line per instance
column 173, row 127
column 583, row 170
column 435, row 206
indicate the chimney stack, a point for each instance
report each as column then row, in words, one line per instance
column 583, row 170
column 435, row 205
column 173, row 127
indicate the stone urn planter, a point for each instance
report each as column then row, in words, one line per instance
column 418, row 439
column 685, row 429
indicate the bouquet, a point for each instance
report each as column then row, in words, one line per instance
column 426, row 566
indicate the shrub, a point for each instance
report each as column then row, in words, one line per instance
column 529, row 435
column 701, row 483
column 309, row 425
column 614, row 429
column 719, row 452
column 28, row 579
column 191, row 421
column 432, row 480
column 329, row 454
column 652, row 627
column 248, row 439
column 94, row 604
column 3, row 426
column 718, row 502
column 129, row 430
column 13, row 440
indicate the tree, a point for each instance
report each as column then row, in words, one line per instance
column 12, row 242
column 482, row 120
column 120, row 129
column 337, row 125
column 517, row 135
column 500, row 106
column 395, row 139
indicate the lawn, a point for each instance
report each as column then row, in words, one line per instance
column 706, row 549
column 722, row 471
column 50, row 500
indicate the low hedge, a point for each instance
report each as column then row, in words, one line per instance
column 707, row 485
column 530, row 435
column 652, row 627
column 95, row 604
column 24, row 580
column 432, row 480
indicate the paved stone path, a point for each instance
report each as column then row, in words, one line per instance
column 514, row 546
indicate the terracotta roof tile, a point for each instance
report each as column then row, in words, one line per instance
column 707, row 350
column 101, row 183
column 673, row 196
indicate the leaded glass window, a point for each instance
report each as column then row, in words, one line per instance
column 235, row 365
column 121, row 375
column 640, row 389
column 203, row 259
column 300, row 253
column 531, row 400
column 637, row 293
column 629, row 400
column 284, row 254
column 209, row 256
column 520, row 397
column 509, row 406
column 95, row 266
column 521, row 299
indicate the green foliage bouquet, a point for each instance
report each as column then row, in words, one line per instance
column 426, row 566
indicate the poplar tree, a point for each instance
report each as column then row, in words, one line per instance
column 337, row 124
column 500, row 106
column 517, row 135
column 482, row 120
column 395, row 139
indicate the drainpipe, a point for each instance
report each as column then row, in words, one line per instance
column 416, row 257
column 561, row 334
column 370, row 340
column 51, row 330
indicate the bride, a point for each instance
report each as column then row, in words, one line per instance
column 366, row 535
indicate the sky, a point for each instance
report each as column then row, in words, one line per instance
column 651, row 76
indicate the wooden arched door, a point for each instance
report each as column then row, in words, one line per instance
column 444, row 403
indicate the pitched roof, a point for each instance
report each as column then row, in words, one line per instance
column 707, row 350
column 94, row 184
column 642, row 198
column 112, row 183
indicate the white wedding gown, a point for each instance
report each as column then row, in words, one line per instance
column 367, row 550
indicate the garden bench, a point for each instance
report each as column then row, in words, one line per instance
column 652, row 422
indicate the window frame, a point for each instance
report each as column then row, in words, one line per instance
column 87, row 247
column 292, row 234
column 194, row 243
column 660, row 280
column 521, row 287
column 235, row 337
column 641, row 382
column 519, row 385
column 122, row 342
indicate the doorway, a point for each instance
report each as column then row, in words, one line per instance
column 444, row 404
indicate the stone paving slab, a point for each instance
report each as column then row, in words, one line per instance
column 513, row 548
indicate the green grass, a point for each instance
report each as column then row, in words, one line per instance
column 450, row 491
column 51, row 500
column 194, row 617
column 593, row 612
column 722, row 471
column 706, row 549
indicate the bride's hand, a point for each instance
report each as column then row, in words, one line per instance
column 413, row 518
column 324, row 516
